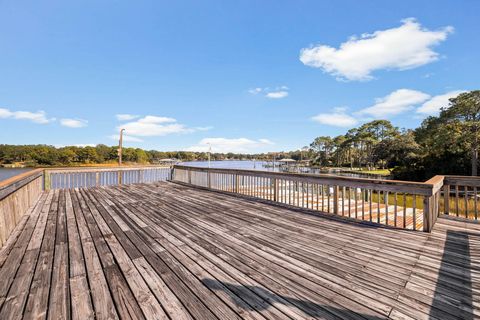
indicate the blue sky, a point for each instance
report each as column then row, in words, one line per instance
column 247, row 76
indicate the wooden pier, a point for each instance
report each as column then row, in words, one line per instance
column 166, row 250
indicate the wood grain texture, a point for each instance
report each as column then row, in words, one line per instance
column 170, row 251
column 17, row 196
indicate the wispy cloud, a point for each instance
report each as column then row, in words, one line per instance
column 73, row 123
column 405, row 47
column 433, row 105
column 393, row 104
column 271, row 93
column 126, row 117
column 255, row 90
column 125, row 137
column 154, row 126
column 277, row 94
column 203, row 128
column 238, row 145
column 36, row 117
column 397, row 102
column 337, row 118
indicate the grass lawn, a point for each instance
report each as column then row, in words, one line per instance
column 382, row 172
column 462, row 206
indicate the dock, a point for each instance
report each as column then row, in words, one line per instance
column 173, row 250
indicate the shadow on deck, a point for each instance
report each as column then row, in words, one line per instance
column 174, row 252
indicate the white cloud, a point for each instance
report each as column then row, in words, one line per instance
column 126, row 138
column 432, row 106
column 397, row 102
column 225, row 145
column 151, row 126
column 79, row 145
column 271, row 93
column 37, row 117
column 405, row 47
column 277, row 94
column 73, row 123
column 255, row 90
column 203, row 128
column 338, row 118
column 83, row 145
column 126, row 117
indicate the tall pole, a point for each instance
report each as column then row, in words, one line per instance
column 120, row 145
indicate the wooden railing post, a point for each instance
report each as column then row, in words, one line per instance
column 236, row 183
column 431, row 203
column 446, row 199
column 97, row 178
column 47, row 180
column 335, row 199
column 209, row 179
column 427, row 213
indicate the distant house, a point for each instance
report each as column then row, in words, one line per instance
column 14, row 165
column 166, row 161
column 287, row 162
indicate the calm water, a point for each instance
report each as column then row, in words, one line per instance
column 267, row 166
column 6, row 173
column 234, row 164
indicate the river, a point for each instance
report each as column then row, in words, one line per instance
column 6, row 173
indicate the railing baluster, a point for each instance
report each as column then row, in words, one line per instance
column 356, row 204
column 330, row 189
column 465, row 194
column 395, row 210
column 363, row 204
column 385, row 195
column 322, row 192
column 378, row 206
column 475, row 202
column 414, row 212
column 370, row 202
column 456, row 201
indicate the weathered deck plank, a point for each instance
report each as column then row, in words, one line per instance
column 170, row 251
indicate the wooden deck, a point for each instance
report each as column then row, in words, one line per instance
column 167, row 251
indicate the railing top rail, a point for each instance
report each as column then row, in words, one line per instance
column 436, row 182
column 421, row 188
column 469, row 181
column 14, row 183
column 93, row 169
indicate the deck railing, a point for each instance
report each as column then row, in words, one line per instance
column 68, row 178
column 461, row 197
column 17, row 195
column 401, row 204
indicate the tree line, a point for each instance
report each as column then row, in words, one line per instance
column 443, row 144
column 46, row 155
